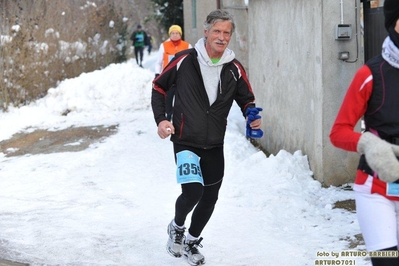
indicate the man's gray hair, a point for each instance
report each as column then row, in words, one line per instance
column 217, row 16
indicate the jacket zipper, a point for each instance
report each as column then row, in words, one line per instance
column 181, row 125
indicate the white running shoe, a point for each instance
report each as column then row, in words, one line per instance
column 176, row 238
column 194, row 257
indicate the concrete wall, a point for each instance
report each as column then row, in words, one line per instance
column 293, row 68
column 237, row 8
column 194, row 17
column 299, row 81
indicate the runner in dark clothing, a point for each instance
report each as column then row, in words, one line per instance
column 208, row 79
column 140, row 39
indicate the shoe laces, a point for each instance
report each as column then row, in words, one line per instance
column 179, row 234
column 192, row 246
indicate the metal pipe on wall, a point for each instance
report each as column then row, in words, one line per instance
column 342, row 12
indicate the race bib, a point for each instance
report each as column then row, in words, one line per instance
column 393, row 189
column 188, row 168
column 170, row 57
column 140, row 37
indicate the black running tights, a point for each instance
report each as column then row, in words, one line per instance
column 196, row 196
column 192, row 194
column 389, row 261
column 138, row 52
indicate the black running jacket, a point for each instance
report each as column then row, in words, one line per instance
column 197, row 123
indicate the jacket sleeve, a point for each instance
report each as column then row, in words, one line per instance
column 245, row 96
column 160, row 86
column 132, row 37
column 159, row 61
column 354, row 105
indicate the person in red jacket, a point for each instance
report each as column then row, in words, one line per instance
column 374, row 95
column 166, row 52
column 208, row 80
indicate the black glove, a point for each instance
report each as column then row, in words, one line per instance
column 156, row 75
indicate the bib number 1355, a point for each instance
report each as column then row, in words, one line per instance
column 188, row 168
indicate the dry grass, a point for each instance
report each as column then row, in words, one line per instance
column 44, row 42
column 72, row 139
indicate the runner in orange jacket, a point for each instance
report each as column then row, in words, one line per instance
column 167, row 51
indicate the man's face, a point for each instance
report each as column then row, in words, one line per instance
column 218, row 38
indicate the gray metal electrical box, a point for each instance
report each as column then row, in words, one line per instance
column 343, row 32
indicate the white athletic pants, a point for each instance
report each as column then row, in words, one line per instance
column 378, row 219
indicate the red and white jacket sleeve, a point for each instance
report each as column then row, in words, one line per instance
column 354, row 105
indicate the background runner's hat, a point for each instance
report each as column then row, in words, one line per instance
column 175, row 28
column 391, row 12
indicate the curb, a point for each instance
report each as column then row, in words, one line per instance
column 11, row 263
